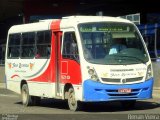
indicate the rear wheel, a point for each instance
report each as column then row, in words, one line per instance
column 26, row 98
column 73, row 104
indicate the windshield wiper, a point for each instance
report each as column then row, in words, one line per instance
column 132, row 57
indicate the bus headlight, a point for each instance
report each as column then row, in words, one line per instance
column 149, row 72
column 92, row 73
column 94, row 77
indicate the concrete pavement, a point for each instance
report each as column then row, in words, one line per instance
column 2, row 85
column 156, row 93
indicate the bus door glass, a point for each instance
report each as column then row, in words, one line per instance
column 71, row 72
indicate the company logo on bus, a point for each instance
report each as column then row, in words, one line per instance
column 21, row 65
column 9, row 65
column 31, row 65
column 123, row 81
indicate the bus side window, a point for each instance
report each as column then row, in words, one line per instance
column 14, row 45
column 70, row 47
column 43, row 45
column 28, row 45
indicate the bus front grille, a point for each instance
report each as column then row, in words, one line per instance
column 128, row 80
column 115, row 94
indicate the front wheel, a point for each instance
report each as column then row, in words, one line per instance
column 73, row 104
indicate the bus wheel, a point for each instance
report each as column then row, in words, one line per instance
column 128, row 104
column 73, row 104
column 26, row 98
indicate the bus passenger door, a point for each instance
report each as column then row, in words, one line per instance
column 58, row 37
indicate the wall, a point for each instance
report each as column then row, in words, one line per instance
column 2, row 74
column 156, row 72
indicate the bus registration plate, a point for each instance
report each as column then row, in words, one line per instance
column 124, row 90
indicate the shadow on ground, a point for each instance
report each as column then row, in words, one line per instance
column 113, row 106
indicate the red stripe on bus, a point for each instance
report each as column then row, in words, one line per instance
column 55, row 25
column 14, row 76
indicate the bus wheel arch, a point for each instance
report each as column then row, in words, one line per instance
column 66, row 89
column 22, row 83
column 26, row 98
column 69, row 94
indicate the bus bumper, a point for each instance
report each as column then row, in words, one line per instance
column 96, row 91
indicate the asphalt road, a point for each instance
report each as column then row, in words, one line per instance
column 11, row 108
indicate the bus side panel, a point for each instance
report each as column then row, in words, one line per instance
column 44, row 84
column 38, row 73
column 71, row 73
column 13, row 79
column 11, row 86
column 42, row 89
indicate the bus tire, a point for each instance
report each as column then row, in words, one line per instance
column 128, row 104
column 73, row 104
column 26, row 98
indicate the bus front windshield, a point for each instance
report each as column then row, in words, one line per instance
column 112, row 43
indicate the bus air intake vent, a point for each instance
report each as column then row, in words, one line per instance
column 128, row 80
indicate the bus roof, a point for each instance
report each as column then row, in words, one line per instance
column 30, row 27
column 74, row 20
column 69, row 21
column 95, row 18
